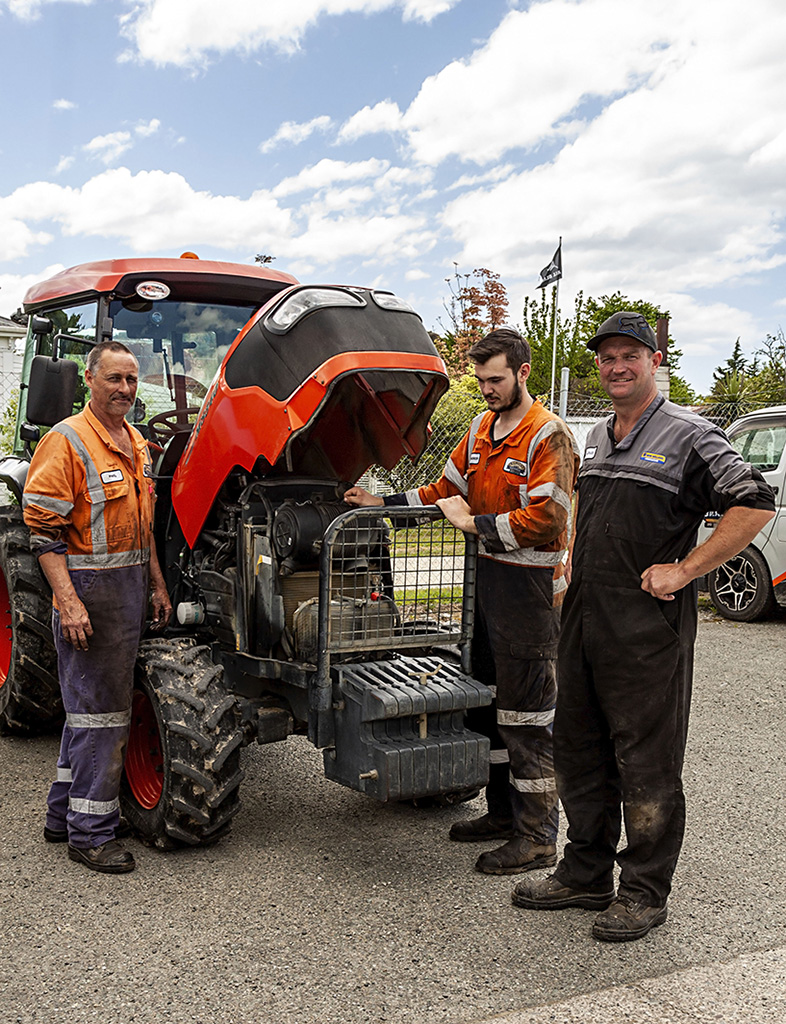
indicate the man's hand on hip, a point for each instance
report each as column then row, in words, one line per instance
column 662, row 580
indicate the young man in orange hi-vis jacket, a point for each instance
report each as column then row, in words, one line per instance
column 89, row 504
column 510, row 481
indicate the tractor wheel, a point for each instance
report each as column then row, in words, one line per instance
column 30, row 700
column 182, row 768
column 741, row 589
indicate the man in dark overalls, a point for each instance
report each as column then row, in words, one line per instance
column 650, row 473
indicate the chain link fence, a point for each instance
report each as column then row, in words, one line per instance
column 449, row 424
column 451, row 420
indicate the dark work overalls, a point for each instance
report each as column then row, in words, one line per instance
column 626, row 658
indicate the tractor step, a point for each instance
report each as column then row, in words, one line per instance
column 399, row 727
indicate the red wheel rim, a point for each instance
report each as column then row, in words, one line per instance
column 144, row 759
column 6, row 632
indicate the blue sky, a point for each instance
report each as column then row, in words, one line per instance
column 381, row 141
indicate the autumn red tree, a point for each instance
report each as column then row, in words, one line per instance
column 478, row 303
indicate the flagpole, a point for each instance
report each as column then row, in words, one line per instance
column 554, row 335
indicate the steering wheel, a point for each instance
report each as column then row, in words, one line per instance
column 164, row 425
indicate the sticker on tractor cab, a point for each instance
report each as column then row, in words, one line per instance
column 152, row 290
column 652, row 457
column 515, row 466
column 111, row 476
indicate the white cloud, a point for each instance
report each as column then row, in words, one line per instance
column 29, row 9
column 108, row 148
column 63, row 164
column 173, row 32
column 293, row 133
column 144, row 129
column 382, row 117
column 13, row 287
column 63, row 105
column 676, row 182
column 154, row 211
column 328, row 172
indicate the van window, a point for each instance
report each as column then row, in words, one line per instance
column 761, row 445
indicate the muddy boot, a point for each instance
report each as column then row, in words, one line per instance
column 625, row 920
column 480, row 830
column 517, row 855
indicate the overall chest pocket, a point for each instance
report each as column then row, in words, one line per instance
column 110, row 513
column 636, row 517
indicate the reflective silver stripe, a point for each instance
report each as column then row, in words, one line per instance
column 93, row 806
column 109, row 560
column 525, row 556
column 523, row 496
column 551, row 490
column 451, row 473
column 545, row 431
column 533, row 785
column 505, row 531
column 499, row 757
column 524, row 717
column 60, row 508
column 94, row 487
column 64, row 775
column 413, row 497
column 473, row 430
column 560, row 584
column 110, row 720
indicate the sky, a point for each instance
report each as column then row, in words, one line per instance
column 390, row 143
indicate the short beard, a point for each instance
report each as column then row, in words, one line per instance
column 513, row 401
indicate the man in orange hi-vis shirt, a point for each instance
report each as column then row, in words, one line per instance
column 89, row 504
column 510, row 481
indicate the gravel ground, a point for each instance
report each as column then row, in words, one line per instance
column 324, row 906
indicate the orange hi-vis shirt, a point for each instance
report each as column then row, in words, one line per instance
column 82, row 490
column 519, row 490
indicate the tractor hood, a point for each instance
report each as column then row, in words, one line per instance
column 323, row 382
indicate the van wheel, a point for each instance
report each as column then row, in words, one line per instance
column 741, row 589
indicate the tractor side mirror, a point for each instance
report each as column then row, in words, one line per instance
column 52, row 390
column 42, row 325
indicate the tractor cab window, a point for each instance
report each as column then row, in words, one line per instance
column 179, row 347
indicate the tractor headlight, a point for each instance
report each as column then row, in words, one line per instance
column 387, row 300
column 297, row 305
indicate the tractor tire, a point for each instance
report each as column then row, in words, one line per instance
column 182, row 768
column 30, row 700
column 741, row 589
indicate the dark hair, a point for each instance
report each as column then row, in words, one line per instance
column 502, row 341
column 97, row 351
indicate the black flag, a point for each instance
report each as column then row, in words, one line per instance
column 553, row 272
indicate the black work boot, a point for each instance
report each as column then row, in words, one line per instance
column 626, row 920
column 480, row 830
column 111, row 858
column 60, row 835
column 552, row 894
column 517, row 855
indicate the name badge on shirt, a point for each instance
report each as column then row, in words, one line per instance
column 590, row 453
column 515, row 466
column 112, row 476
column 474, row 458
column 653, row 457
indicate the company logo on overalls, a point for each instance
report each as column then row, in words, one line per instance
column 652, row 457
column 516, row 467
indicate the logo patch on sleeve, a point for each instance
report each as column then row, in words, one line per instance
column 112, row 476
column 652, row 457
column 515, row 466
column 590, row 453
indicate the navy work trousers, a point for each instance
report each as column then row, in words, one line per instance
column 513, row 652
column 625, row 673
column 97, row 685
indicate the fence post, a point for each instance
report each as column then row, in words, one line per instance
column 563, row 392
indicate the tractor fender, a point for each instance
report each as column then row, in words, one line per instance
column 13, row 473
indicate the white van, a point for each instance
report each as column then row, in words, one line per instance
column 749, row 586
